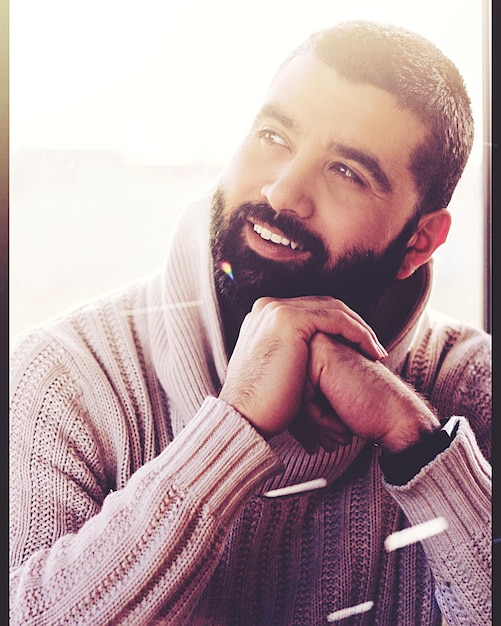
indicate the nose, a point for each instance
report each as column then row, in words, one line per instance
column 289, row 189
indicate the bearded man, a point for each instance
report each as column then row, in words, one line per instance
column 237, row 439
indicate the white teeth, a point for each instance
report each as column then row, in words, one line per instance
column 276, row 238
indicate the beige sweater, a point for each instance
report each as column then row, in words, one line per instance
column 137, row 497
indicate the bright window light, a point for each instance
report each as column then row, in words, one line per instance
column 120, row 112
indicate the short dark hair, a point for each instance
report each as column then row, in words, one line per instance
column 422, row 79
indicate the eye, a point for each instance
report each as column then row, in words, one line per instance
column 345, row 172
column 271, row 137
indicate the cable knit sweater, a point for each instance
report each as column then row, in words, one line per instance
column 138, row 497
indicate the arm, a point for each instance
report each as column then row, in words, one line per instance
column 456, row 485
column 88, row 557
column 81, row 556
column 366, row 399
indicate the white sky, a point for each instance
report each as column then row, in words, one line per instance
column 173, row 81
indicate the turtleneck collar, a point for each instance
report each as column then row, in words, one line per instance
column 188, row 341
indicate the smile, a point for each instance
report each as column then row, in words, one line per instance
column 277, row 238
column 274, row 245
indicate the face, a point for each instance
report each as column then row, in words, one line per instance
column 319, row 198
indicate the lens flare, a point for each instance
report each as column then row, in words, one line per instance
column 226, row 267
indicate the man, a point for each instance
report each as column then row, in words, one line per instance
column 286, row 344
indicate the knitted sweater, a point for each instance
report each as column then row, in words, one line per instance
column 138, row 497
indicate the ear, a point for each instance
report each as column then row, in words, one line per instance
column 431, row 232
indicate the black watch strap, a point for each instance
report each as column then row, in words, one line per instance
column 399, row 468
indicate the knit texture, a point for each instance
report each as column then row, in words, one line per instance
column 138, row 497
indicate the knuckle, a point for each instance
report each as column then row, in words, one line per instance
column 246, row 323
column 261, row 303
column 283, row 315
column 328, row 300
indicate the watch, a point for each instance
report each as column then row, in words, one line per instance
column 399, row 468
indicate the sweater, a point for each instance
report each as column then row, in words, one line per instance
column 138, row 497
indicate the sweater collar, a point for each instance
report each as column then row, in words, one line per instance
column 397, row 314
column 188, row 345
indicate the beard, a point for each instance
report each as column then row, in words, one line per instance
column 358, row 277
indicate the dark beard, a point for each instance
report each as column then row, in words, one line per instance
column 358, row 278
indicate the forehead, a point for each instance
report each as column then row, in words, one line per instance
column 328, row 108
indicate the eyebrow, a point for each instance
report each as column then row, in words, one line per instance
column 271, row 110
column 370, row 163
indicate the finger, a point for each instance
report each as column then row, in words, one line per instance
column 311, row 439
column 322, row 425
column 337, row 323
column 326, row 424
column 316, row 304
column 304, row 322
column 331, row 442
column 304, row 438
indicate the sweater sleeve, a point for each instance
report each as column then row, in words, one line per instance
column 451, row 365
column 80, row 555
column 455, row 486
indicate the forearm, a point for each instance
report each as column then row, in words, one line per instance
column 155, row 542
column 456, row 486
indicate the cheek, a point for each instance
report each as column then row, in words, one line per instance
column 350, row 233
column 351, row 221
column 344, row 225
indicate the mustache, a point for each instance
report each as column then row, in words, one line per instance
column 289, row 225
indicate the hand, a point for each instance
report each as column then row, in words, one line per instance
column 348, row 394
column 267, row 370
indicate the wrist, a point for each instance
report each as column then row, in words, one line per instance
column 398, row 468
column 398, row 443
column 419, row 426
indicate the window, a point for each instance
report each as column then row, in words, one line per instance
column 121, row 112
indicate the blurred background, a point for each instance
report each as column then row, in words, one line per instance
column 122, row 112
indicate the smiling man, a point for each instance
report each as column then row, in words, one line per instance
column 321, row 197
column 233, row 440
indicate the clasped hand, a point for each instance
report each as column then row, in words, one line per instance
column 312, row 365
